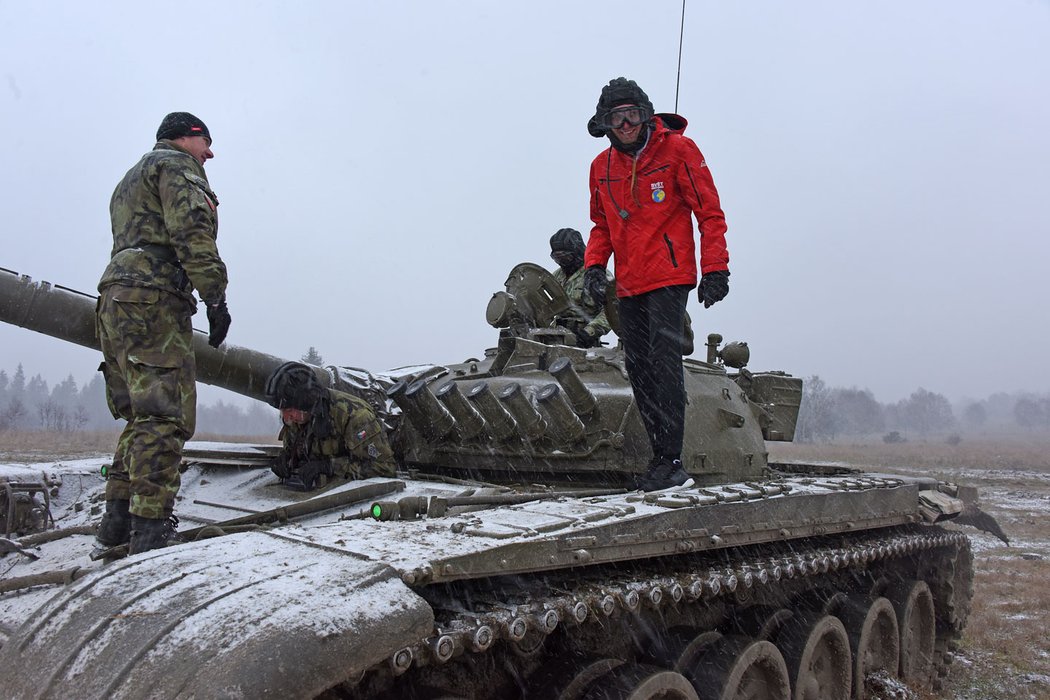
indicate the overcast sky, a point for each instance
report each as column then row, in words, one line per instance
column 884, row 168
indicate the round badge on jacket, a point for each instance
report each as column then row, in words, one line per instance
column 659, row 195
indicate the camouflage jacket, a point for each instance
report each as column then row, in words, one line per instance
column 164, row 227
column 351, row 438
column 583, row 313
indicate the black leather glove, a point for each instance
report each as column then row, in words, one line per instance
column 713, row 287
column 218, row 323
column 595, row 284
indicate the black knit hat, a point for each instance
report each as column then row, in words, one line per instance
column 179, row 124
column 567, row 239
column 619, row 91
column 293, row 385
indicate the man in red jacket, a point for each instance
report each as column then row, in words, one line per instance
column 645, row 190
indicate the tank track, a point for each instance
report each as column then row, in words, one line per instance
column 502, row 637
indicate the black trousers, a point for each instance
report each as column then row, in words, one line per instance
column 652, row 328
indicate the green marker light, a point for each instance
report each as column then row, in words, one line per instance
column 377, row 511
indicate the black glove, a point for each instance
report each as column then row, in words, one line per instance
column 218, row 323
column 584, row 339
column 713, row 287
column 279, row 466
column 595, row 284
column 305, row 479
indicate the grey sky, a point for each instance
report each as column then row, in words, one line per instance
column 381, row 167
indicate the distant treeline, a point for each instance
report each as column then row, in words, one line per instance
column 66, row 408
column 831, row 412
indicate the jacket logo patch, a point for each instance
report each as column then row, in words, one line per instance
column 657, row 186
column 659, row 195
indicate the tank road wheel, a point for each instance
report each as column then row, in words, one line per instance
column 567, row 677
column 950, row 578
column 918, row 629
column 638, row 682
column 816, row 650
column 690, row 654
column 530, row 646
column 871, row 626
column 738, row 668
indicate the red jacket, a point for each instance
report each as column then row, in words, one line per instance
column 654, row 244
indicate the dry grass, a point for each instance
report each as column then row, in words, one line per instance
column 1005, row 652
column 33, row 446
column 38, row 446
column 1024, row 452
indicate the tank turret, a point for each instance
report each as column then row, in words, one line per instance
column 546, row 408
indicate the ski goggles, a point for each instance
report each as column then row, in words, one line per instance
column 632, row 115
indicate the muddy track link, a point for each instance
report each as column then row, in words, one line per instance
column 566, row 633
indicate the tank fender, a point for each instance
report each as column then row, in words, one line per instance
column 959, row 504
column 251, row 615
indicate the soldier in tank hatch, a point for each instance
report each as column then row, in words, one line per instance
column 326, row 433
column 645, row 190
column 165, row 224
column 587, row 317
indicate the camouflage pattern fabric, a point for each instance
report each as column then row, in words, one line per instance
column 149, row 368
column 585, row 314
column 356, row 446
column 164, row 227
column 164, row 220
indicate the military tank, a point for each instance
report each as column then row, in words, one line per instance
column 512, row 556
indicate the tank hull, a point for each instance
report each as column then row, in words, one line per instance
column 757, row 580
column 483, row 599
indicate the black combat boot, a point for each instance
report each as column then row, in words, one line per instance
column 149, row 533
column 115, row 528
column 663, row 473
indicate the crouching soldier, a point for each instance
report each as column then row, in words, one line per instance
column 326, row 433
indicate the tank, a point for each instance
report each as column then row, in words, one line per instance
column 512, row 556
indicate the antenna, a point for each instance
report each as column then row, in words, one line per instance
column 678, row 79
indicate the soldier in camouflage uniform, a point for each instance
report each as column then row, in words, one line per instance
column 586, row 319
column 164, row 226
column 326, row 433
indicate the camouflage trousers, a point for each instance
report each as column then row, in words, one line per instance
column 150, row 369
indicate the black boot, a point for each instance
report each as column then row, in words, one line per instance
column 148, row 533
column 115, row 528
column 663, row 473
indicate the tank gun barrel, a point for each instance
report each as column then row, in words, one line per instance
column 69, row 315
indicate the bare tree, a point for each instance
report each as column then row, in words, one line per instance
column 858, row 413
column 1030, row 413
column 816, row 417
column 925, row 412
column 975, row 415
